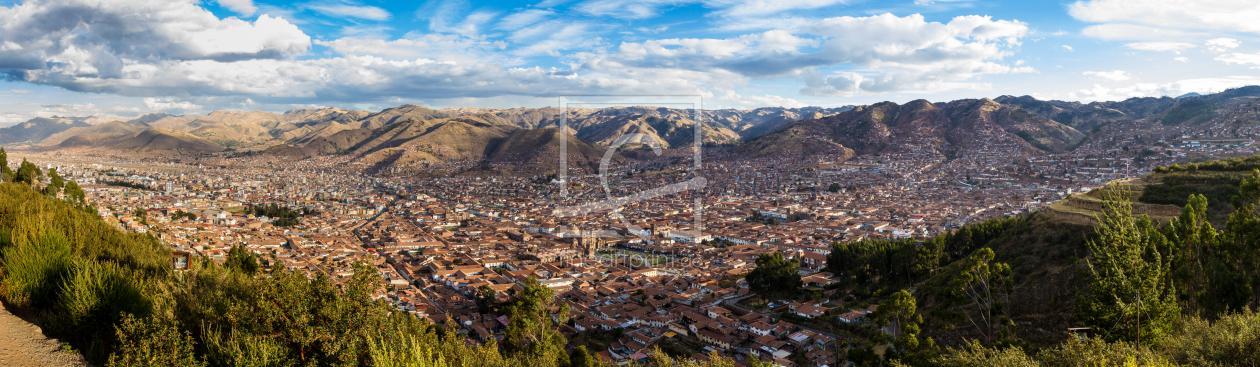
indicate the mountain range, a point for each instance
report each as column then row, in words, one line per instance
column 486, row 138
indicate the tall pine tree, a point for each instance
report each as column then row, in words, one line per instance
column 1128, row 276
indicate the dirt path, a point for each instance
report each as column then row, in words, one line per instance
column 23, row 344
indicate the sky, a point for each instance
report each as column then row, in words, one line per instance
column 122, row 58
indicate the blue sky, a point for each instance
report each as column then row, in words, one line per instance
column 122, row 58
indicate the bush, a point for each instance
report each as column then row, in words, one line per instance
column 148, row 342
column 1234, row 340
column 33, row 270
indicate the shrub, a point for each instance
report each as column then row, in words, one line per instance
column 1234, row 340
column 33, row 270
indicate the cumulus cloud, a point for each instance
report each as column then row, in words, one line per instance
column 1068, row 48
column 1182, row 59
column 98, row 38
column 178, row 50
column 1122, row 17
column 893, row 53
column 1222, row 44
column 1197, row 85
column 1114, row 75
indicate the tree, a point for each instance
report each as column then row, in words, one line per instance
column 531, row 334
column 28, row 173
column 6, row 173
column 74, row 192
column 981, row 291
column 1127, row 275
column 485, row 298
column 900, row 311
column 774, row 276
column 834, row 187
column 55, row 180
column 581, row 357
column 240, row 259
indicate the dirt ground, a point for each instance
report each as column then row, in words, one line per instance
column 23, row 344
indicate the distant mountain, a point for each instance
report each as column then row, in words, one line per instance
column 146, row 141
column 113, row 127
column 39, row 128
column 746, row 124
column 955, row 128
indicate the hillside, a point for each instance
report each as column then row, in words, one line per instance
column 39, row 128
column 160, row 140
column 959, row 127
column 108, row 128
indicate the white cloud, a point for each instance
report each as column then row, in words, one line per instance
column 351, row 11
column 16, row 92
column 438, row 47
column 1201, row 15
column 168, row 104
column 890, row 53
column 524, row 18
column 1068, row 48
column 242, row 7
column 1182, row 59
column 1240, row 59
column 1131, row 32
column 731, row 99
column 98, row 38
column 1222, row 44
column 1197, row 85
column 1114, row 75
column 1160, row 46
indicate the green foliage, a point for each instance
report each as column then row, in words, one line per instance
column 180, row 214
column 485, row 298
column 981, row 292
column 1240, row 164
column 27, row 173
column 1126, row 262
column 774, row 276
column 975, row 354
column 532, row 332
column 1072, row 353
column 127, row 184
column 6, row 173
column 900, row 311
column 1233, row 340
column 146, row 342
column 33, row 270
column 75, row 193
column 240, row 259
column 55, row 179
column 284, row 217
column 875, row 261
column 835, row 187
